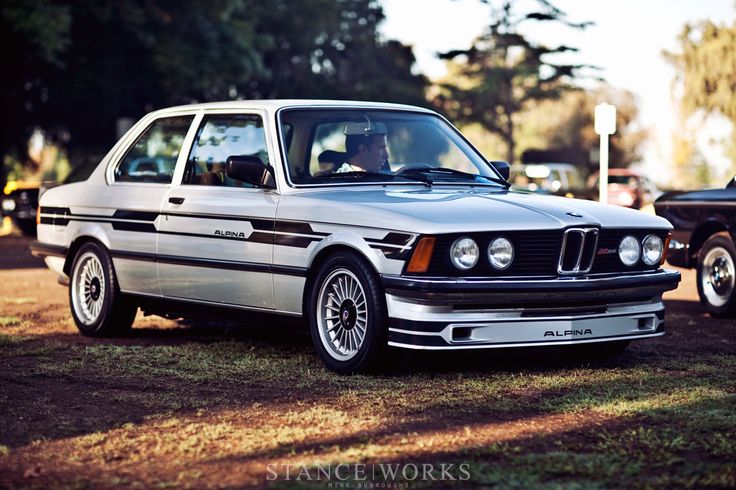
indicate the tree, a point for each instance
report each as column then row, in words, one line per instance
column 691, row 170
column 105, row 60
column 503, row 71
column 563, row 129
column 34, row 36
column 706, row 72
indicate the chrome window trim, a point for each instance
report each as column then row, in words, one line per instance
column 136, row 131
column 198, row 122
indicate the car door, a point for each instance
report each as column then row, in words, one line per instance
column 129, row 205
column 215, row 239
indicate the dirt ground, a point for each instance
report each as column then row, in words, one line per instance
column 193, row 405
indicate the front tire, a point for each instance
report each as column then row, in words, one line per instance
column 98, row 307
column 347, row 314
column 717, row 276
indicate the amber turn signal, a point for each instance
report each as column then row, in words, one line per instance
column 38, row 215
column 666, row 248
column 422, row 255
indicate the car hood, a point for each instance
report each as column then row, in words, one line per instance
column 452, row 209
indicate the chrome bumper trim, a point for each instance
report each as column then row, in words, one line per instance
column 520, row 344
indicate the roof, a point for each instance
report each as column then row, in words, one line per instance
column 271, row 105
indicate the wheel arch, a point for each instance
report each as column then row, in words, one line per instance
column 322, row 254
column 82, row 238
column 700, row 235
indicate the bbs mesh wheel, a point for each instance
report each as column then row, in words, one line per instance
column 347, row 314
column 98, row 307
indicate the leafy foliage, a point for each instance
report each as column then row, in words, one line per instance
column 707, row 68
column 503, row 71
column 74, row 67
column 706, row 75
column 563, row 129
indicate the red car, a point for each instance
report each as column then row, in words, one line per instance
column 627, row 188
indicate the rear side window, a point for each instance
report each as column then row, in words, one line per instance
column 152, row 157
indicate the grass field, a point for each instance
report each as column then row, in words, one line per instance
column 214, row 406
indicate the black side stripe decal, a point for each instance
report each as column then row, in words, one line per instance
column 211, row 263
column 135, row 215
column 126, row 226
column 393, row 238
column 393, row 245
column 285, row 233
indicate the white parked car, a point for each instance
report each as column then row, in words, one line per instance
column 378, row 223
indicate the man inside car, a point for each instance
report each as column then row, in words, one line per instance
column 365, row 153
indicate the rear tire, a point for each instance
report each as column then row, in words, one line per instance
column 717, row 276
column 347, row 314
column 98, row 307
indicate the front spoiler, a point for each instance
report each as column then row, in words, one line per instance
column 472, row 314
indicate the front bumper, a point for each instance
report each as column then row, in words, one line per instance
column 444, row 313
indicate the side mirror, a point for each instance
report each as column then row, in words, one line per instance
column 731, row 183
column 503, row 168
column 251, row 170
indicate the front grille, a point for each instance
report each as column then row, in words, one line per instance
column 587, row 250
column 578, row 251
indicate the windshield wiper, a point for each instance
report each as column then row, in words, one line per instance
column 454, row 173
column 372, row 177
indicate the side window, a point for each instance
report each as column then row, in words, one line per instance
column 218, row 138
column 152, row 157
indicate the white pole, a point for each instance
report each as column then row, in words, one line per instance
column 603, row 191
column 605, row 124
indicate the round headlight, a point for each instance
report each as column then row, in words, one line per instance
column 629, row 250
column 464, row 253
column 652, row 249
column 500, row 253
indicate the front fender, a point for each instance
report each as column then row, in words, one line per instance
column 353, row 241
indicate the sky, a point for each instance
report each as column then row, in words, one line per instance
column 626, row 42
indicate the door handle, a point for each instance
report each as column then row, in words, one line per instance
column 176, row 200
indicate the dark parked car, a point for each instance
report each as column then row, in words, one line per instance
column 19, row 202
column 703, row 237
column 20, row 199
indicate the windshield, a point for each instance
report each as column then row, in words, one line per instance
column 328, row 146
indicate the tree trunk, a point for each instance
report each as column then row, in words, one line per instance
column 509, row 138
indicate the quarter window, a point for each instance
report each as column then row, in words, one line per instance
column 218, row 138
column 152, row 158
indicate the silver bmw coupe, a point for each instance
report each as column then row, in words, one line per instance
column 379, row 224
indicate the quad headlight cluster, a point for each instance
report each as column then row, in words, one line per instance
column 464, row 253
column 650, row 250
